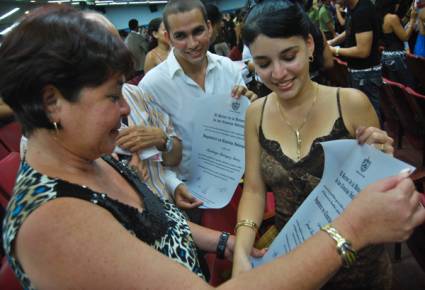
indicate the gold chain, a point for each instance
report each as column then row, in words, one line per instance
column 306, row 117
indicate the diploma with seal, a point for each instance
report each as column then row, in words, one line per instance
column 218, row 150
column 349, row 167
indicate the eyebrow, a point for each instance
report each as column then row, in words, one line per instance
column 193, row 30
column 259, row 57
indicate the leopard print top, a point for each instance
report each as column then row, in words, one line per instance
column 161, row 224
column 291, row 183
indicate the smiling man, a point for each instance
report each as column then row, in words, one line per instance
column 190, row 73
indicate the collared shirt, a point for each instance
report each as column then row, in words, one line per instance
column 175, row 93
column 144, row 112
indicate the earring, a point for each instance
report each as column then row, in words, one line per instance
column 56, row 127
column 311, row 58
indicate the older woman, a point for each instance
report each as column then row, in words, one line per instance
column 81, row 220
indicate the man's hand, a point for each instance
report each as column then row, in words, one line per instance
column 137, row 138
column 240, row 90
column 184, row 199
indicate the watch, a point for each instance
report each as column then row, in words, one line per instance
column 169, row 142
column 221, row 246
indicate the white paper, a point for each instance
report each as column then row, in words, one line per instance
column 218, row 150
column 348, row 169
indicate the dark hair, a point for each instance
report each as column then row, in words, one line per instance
column 275, row 19
column 153, row 26
column 213, row 13
column 181, row 6
column 388, row 6
column 133, row 24
column 56, row 45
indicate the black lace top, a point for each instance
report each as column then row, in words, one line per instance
column 160, row 224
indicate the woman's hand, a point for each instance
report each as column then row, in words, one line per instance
column 240, row 90
column 139, row 166
column 385, row 211
column 375, row 137
column 137, row 138
column 230, row 246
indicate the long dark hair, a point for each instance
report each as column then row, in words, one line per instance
column 153, row 26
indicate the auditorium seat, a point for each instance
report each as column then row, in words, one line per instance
column 416, row 66
column 10, row 136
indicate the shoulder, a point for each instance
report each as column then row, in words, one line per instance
column 357, row 109
column 156, row 77
column 224, row 63
column 352, row 99
column 253, row 113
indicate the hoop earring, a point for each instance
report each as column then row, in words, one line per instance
column 311, row 58
column 56, row 127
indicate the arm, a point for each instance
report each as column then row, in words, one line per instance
column 398, row 29
column 150, row 62
column 87, row 248
column 339, row 17
column 251, row 205
column 337, row 40
column 361, row 120
column 5, row 110
column 362, row 48
column 421, row 21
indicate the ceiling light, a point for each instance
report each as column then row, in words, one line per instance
column 14, row 10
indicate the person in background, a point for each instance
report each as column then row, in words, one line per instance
column 361, row 49
column 80, row 221
column 138, row 46
column 218, row 44
column 393, row 58
column 419, row 49
column 325, row 19
column 160, row 47
column 283, row 132
column 6, row 114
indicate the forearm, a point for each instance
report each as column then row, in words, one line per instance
column 206, row 239
column 337, row 40
column 251, row 207
column 354, row 52
column 340, row 18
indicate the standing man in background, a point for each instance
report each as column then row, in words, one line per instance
column 138, row 46
column 361, row 49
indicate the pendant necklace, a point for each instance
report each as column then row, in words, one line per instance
column 306, row 117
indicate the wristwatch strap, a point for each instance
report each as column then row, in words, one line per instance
column 221, row 246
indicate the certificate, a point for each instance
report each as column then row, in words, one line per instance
column 349, row 168
column 218, row 150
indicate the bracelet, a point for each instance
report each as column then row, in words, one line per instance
column 246, row 223
column 221, row 246
column 343, row 246
column 337, row 50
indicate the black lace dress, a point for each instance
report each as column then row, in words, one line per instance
column 292, row 182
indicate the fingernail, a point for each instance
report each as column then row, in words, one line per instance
column 405, row 172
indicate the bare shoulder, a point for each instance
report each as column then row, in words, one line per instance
column 253, row 113
column 357, row 110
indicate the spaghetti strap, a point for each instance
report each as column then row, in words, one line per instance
column 338, row 102
column 262, row 111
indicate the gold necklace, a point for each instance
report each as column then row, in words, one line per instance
column 297, row 130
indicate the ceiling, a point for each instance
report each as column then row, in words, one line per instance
column 21, row 6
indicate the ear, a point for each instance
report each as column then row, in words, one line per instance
column 210, row 29
column 155, row 34
column 52, row 102
column 167, row 36
column 310, row 44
